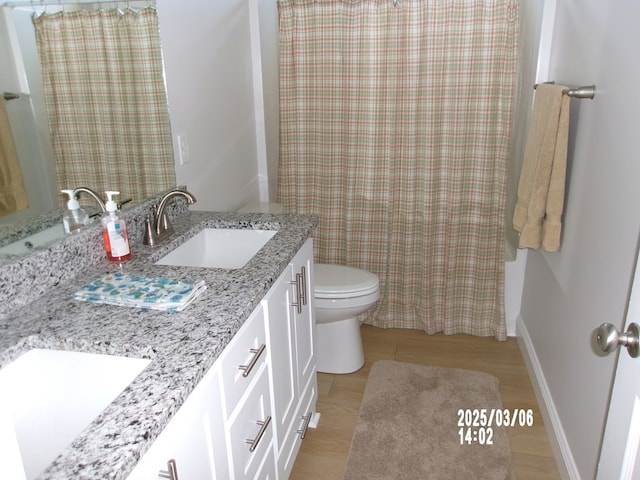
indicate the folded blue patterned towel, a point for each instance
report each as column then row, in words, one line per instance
column 140, row 292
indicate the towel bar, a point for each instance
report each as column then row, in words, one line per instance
column 588, row 91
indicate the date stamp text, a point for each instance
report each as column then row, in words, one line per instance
column 475, row 425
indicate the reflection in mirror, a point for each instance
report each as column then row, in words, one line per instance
column 99, row 131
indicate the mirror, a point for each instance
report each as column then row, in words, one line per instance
column 27, row 114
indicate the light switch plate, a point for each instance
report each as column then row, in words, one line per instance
column 183, row 148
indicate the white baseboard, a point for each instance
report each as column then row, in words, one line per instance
column 566, row 464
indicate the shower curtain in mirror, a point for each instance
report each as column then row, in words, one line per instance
column 394, row 128
column 106, row 100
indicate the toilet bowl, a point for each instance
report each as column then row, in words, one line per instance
column 341, row 293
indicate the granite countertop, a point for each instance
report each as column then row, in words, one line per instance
column 182, row 346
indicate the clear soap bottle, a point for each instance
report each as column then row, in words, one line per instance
column 74, row 217
column 114, row 232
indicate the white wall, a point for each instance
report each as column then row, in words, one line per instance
column 210, row 85
column 568, row 294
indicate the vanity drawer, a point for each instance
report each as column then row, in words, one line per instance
column 250, row 431
column 244, row 358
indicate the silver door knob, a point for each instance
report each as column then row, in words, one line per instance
column 609, row 338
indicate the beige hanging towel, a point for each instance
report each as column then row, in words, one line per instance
column 13, row 196
column 538, row 212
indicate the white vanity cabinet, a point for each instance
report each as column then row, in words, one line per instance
column 208, row 437
column 290, row 328
column 246, row 418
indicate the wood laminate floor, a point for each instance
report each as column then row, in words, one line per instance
column 324, row 451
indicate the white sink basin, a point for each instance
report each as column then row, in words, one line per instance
column 49, row 397
column 38, row 239
column 218, row 248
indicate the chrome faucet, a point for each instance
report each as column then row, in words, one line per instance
column 98, row 199
column 95, row 196
column 159, row 228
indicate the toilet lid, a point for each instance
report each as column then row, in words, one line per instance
column 335, row 281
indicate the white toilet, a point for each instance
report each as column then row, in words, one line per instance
column 341, row 293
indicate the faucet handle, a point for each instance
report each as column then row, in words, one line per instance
column 149, row 237
column 124, row 202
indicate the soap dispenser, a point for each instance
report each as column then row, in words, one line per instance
column 74, row 217
column 114, row 232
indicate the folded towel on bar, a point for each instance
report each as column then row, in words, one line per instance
column 538, row 212
column 140, row 292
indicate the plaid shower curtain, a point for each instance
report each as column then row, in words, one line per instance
column 394, row 128
column 106, row 100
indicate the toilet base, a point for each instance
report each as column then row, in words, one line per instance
column 339, row 346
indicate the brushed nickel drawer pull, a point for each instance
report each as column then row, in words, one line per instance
column 305, row 425
column 300, row 299
column 263, row 428
column 303, row 288
column 257, row 352
column 172, row 471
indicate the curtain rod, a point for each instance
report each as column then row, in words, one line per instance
column 45, row 3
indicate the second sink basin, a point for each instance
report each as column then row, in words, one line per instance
column 48, row 398
column 218, row 248
column 35, row 240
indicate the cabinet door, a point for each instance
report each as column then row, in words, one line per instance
column 290, row 328
column 281, row 334
column 287, row 455
column 189, row 439
column 305, row 317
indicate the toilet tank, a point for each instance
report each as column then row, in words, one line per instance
column 262, row 207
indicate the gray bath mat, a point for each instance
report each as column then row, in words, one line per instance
column 409, row 426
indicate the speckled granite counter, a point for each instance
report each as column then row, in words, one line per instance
column 182, row 346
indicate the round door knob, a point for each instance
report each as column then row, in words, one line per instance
column 609, row 338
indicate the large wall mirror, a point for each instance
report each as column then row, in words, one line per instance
column 26, row 110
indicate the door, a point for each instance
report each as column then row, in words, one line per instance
column 619, row 457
